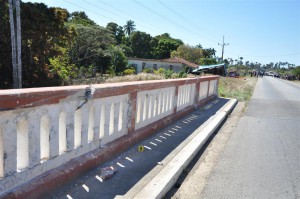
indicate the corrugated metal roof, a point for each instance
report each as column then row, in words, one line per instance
column 210, row 66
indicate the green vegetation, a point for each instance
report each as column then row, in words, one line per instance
column 296, row 72
column 238, row 88
column 244, row 68
column 59, row 48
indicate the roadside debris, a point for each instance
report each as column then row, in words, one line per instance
column 160, row 163
column 141, row 148
column 107, row 172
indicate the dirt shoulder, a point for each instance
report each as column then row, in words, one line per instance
column 193, row 180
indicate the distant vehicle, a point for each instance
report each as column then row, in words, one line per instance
column 233, row 74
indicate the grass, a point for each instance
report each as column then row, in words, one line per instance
column 238, row 88
column 138, row 77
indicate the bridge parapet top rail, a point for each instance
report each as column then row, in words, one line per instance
column 43, row 128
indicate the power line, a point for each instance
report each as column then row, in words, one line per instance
column 121, row 11
column 119, row 16
column 183, row 18
column 158, row 14
column 171, row 21
column 101, row 8
column 87, row 10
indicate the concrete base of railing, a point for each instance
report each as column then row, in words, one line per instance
column 47, row 182
column 161, row 178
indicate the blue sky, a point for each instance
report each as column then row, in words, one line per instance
column 261, row 31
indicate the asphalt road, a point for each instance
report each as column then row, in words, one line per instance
column 262, row 156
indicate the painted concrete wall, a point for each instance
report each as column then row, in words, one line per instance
column 44, row 128
column 139, row 64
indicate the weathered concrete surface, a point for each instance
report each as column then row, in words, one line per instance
column 47, row 133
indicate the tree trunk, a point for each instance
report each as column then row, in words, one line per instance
column 13, row 44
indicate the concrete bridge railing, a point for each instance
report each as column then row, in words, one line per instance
column 45, row 133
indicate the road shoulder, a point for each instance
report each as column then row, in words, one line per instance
column 193, row 180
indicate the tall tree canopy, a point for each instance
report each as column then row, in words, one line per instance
column 208, row 52
column 117, row 31
column 6, row 74
column 81, row 18
column 190, row 53
column 164, row 45
column 141, row 44
column 43, row 34
column 89, row 47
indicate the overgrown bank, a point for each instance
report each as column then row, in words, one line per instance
column 238, row 88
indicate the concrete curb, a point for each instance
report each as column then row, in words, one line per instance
column 160, row 179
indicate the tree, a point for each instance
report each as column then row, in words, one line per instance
column 189, row 53
column 61, row 68
column 89, row 47
column 199, row 46
column 43, row 35
column 129, row 27
column 241, row 60
column 163, row 45
column 209, row 52
column 117, row 31
column 247, row 63
column 296, row 72
column 81, row 18
column 6, row 68
column 140, row 43
column 207, row 61
column 226, row 61
column 118, row 60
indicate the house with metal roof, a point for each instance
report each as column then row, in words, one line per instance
column 176, row 64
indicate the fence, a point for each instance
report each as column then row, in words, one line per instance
column 42, row 129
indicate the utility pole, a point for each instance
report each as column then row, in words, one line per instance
column 223, row 44
column 15, row 27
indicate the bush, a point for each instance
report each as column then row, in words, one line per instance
column 175, row 76
column 147, row 70
column 181, row 74
column 160, row 71
column 168, row 73
column 129, row 71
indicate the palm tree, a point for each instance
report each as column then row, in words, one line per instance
column 199, row 46
column 212, row 52
column 241, row 58
column 129, row 27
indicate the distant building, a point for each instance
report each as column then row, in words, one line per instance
column 175, row 64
